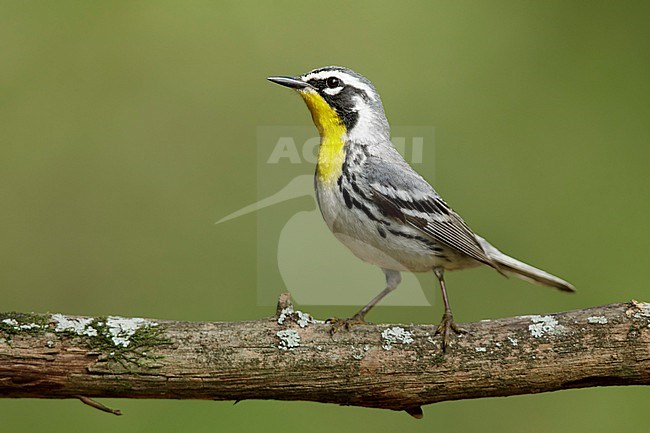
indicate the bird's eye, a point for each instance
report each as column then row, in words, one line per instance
column 333, row 82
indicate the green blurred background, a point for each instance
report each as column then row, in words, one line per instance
column 128, row 128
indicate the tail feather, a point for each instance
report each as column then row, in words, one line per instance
column 508, row 265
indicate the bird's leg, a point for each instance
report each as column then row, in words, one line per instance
column 447, row 323
column 393, row 278
column 358, row 318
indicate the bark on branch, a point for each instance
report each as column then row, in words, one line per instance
column 293, row 357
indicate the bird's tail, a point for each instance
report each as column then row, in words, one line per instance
column 508, row 265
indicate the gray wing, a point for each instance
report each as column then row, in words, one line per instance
column 402, row 194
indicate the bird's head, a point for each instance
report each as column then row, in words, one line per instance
column 339, row 98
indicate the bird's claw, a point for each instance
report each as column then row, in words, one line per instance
column 338, row 324
column 446, row 326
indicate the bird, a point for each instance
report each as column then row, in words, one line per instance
column 378, row 206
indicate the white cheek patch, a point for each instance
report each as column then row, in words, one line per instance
column 368, row 125
column 334, row 91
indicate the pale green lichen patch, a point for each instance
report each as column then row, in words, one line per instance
column 78, row 326
column 395, row 335
column 117, row 338
column 120, row 329
column 480, row 349
column 597, row 320
column 302, row 319
column 12, row 324
column 124, row 340
column 112, row 331
column 128, row 340
column 545, row 326
column 289, row 339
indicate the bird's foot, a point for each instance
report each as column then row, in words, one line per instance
column 447, row 325
column 338, row 324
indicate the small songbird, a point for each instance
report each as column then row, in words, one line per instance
column 377, row 205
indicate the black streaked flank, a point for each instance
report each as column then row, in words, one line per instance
column 346, row 197
column 364, row 208
column 428, row 242
column 356, row 189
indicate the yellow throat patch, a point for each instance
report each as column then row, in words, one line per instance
column 331, row 152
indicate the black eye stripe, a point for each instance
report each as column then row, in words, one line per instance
column 321, row 84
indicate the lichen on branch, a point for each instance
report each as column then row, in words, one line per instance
column 293, row 356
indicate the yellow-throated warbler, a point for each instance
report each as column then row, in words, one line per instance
column 377, row 205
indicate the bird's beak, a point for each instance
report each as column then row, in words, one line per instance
column 291, row 82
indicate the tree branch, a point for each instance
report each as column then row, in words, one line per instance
column 293, row 357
